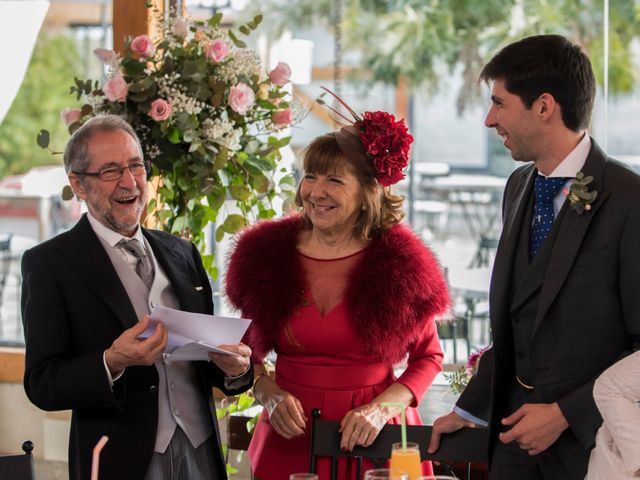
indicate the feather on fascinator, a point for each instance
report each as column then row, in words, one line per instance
column 374, row 140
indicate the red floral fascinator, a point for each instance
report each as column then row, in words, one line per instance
column 377, row 138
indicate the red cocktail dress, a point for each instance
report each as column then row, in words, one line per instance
column 322, row 361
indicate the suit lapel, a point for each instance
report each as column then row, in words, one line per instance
column 572, row 230
column 87, row 257
column 516, row 200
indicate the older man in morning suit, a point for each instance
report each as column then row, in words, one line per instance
column 85, row 299
column 565, row 289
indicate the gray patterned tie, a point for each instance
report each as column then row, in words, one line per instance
column 144, row 269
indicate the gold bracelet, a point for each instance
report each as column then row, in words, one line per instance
column 259, row 377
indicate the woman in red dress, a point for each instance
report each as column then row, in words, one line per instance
column 342, row 292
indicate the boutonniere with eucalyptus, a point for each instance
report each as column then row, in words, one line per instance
column 459, row 379
column 578, row 195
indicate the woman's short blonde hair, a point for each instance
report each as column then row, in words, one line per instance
column 381, row 209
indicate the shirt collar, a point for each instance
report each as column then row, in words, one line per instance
column 573, row 162
column 110, row 236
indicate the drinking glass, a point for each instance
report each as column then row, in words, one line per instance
column 407, row 459
column 385, row 474
column 303, row 476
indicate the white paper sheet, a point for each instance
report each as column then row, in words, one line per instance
column 193, row 335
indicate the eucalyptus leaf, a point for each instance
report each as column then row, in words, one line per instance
column 221, row 159
column 178, row 225
column 214, row 21
column 67, row 193
column 239, row 192
column 238, row 43
column 220, row 231
column 184, row 182
column 260, row 183
column 234, row 223
column 43, row 139
column 217, row 198
column 287, row 180
column 584, row 195
column 174, row 135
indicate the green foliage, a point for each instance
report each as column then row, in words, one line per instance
column 579, row 196
column 458, row 379
column 234, row 406
column 43, row 94
column 414, row 40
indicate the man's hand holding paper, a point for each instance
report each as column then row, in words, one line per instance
column 232, row 365
column 192, row 336
column 127, row 350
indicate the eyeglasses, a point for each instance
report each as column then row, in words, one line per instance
column 110, row 174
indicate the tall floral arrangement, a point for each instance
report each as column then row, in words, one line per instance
column 208, row 117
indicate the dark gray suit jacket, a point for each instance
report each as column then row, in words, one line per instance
column 588, row 299
column 73, row 307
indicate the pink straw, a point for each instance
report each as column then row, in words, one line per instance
column 96, row 456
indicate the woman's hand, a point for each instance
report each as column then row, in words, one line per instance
column 286, row 414
column 362, row 425
column 285, row 411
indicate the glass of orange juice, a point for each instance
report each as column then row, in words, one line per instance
column 407, row 459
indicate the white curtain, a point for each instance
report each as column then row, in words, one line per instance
column 20, row 22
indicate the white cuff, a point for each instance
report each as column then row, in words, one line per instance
column 471, row 418
column 106, row 368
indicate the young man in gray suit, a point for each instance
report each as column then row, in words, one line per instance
column 565, row 291
column 85, row 298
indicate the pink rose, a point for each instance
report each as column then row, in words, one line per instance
column 217, row 50
column 180, row 27
column 565, row 191
column 281, row 74
column 241, row 98
column 282, row 118
column 116, row 89
column 106, row 56
column 160, row 110
column 70, row 116
column 143, row 46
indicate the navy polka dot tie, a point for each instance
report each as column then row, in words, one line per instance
column 545, row 190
